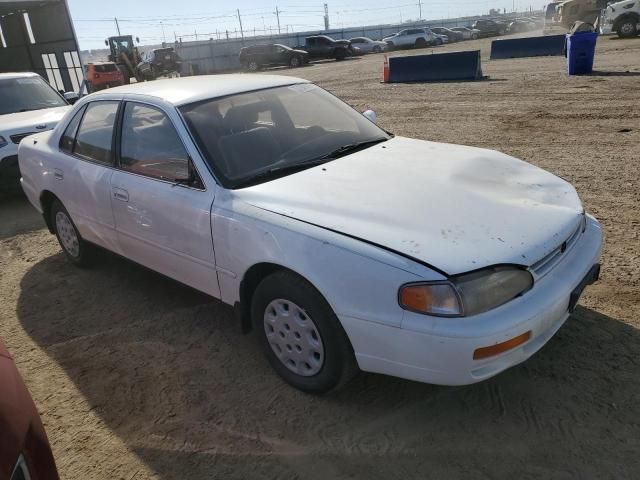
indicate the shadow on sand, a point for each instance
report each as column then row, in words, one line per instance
column 164, row 368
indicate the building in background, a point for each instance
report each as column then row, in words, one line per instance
column 38, row 36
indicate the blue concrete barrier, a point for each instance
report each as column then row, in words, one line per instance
column 550, row 45
column 436, row 67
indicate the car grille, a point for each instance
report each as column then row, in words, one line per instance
column 544, row 265
column 19, row 136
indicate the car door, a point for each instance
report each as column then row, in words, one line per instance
column 278, row 55
column 86, row 173
column 161, row 206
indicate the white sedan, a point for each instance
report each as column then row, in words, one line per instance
column 369, row 46
column 340, row 245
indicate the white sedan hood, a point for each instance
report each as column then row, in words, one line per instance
column 453, row 207
column 20, row 122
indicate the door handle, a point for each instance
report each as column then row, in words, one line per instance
column 58, row 174
column 120, row 194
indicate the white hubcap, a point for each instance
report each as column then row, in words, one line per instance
column 293, row 337
column 67, row 234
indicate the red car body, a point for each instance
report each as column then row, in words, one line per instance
column 24, row 448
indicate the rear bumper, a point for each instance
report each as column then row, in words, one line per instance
column 440, row 350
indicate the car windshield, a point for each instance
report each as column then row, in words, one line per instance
column 253, row 137
column 27, row 93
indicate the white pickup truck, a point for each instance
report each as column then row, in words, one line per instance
column 622, row 18
column 28, row 105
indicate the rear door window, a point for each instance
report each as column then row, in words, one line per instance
column 69, row 136
column 95, row 134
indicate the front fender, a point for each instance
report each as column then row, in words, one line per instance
column 342, row 269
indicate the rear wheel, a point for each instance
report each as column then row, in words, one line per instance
column 300, row 335
column 73, row 246
column 628, row 28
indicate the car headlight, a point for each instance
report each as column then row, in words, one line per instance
column 467, row 294
column 3, row 142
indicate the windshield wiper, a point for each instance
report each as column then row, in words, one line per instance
column 279, row 170
column 351, row 148
column 293, row 167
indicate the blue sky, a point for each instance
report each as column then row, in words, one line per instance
column 153, row 20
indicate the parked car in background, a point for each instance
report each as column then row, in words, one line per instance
column 295, row 192
column 158, row 62
column 623, row 18
column 25, row 453
column 519, row 26
column 322, row 46
column 101, row 75
column 367, row 45
column 468, row 33
column 441, row 39
column 28, row 104
column 452, row 35
column 489, row 28
column 258, row 56
column 411, row 37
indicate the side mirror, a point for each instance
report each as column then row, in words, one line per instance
column 137, row 39
column 106, row 42
column 371, row 115
column 71, row 97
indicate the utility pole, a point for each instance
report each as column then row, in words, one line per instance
column 117, row 25
column 420, row 7
column 240, row 22
column 278, row 17
column 164, row 39
column 326, row 16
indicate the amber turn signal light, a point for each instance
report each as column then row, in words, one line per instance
column 493, row 350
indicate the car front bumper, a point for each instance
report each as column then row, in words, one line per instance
column 440, row 350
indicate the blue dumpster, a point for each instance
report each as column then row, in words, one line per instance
column 581, row 49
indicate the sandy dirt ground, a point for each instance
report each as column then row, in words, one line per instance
column 137, row 377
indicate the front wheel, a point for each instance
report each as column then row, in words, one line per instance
column 420, row 43
column 474, row 36
column 300, row 335
column 73, row 246
column 295, row 61
column 628, row 28
column 340, row 54
column 253, row 66
column 377, row 49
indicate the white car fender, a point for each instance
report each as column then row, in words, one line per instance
column 356, row 279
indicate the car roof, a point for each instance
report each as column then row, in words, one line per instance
column 18, row 75
column 181, row 91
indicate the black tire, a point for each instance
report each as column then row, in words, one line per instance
column 390, row 46
column 474, row 36
column 420, row 43
column 253, row 66
column 377, row 49
column 84, row 255
column 338, row 362
column 295, row 61
column 340, row 54
column 627, row 28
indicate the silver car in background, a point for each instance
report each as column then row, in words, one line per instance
column 366, row 45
